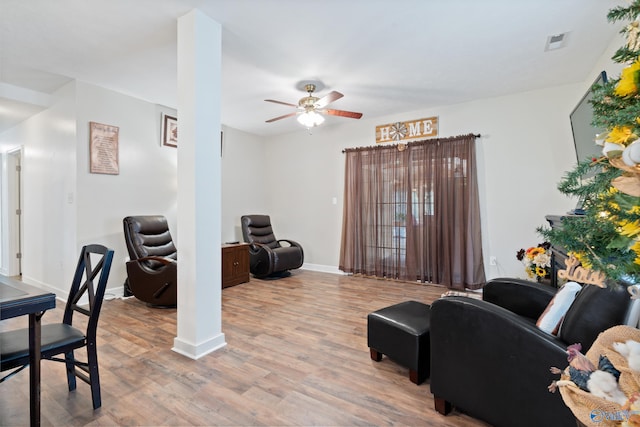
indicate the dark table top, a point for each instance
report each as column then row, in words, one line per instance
column 18, row 298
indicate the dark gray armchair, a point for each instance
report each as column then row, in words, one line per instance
column 490, row 360
column 267, row 256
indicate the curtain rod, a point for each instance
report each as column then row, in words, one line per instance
column 476, row 135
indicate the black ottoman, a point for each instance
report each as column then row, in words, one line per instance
column 401, row 332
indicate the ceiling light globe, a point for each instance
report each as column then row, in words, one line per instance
column 310, row 119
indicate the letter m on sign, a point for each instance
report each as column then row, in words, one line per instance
column 422, row 128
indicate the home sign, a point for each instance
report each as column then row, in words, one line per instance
column 403, row 131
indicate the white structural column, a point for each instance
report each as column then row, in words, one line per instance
column 199, row 186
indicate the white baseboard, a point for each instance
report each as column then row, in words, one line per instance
column 60, row 294
column 322, row 268
column 118, row 292
column 197, row 351
column 113, row 293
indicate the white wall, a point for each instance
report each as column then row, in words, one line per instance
column 146, row 184
column 48, row 176
column 244, row 190
column 605, row 63
column 526, row 147
column 525, row 150
column 66, row 207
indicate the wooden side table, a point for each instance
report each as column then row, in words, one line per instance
column 235, row 264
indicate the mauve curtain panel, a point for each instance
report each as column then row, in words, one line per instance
column 414, row 214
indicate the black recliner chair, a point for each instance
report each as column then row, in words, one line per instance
column 152, row 269
column 490, row 360
column 267, row 257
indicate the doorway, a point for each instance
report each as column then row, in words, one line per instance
column 13, row 237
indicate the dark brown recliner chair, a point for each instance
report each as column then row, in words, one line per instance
column 152, row 269
column 267, row 257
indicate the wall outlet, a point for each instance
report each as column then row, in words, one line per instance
column 493, row 260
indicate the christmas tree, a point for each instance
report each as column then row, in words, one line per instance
column 607, row 237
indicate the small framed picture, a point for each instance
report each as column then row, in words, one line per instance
column 169, row 131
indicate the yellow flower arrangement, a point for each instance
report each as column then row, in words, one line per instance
column 537, row 261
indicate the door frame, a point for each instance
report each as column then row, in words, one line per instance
column 12, row 202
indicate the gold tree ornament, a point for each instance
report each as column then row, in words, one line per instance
column 629, row 182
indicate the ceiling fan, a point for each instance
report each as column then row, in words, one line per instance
column 311, row 108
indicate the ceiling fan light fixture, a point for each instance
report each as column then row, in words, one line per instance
column 310, row 119
column 311, row 109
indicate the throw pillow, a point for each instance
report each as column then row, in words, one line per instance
column 550, row 319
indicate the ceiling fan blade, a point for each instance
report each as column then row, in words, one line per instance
column 281, row 117
column 280, row 102
column 328, row 98
column 342, row 113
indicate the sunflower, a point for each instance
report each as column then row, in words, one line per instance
column 621, row 135
column 628, row 84
column 582, row 257
column 630, row 228
column 636, row 249
column 533, row 252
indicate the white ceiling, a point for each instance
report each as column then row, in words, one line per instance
column 386, row 57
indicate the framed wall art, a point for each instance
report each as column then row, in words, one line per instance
column 169, row 131
column 103, row 149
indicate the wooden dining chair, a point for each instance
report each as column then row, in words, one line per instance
column 64, row 338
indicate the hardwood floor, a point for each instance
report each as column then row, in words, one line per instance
column 296, row 354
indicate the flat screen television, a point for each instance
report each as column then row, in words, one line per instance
column 583, row 131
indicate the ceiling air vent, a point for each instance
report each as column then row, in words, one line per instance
column 556, row 41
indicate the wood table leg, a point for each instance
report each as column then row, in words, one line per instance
column 34, row 368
